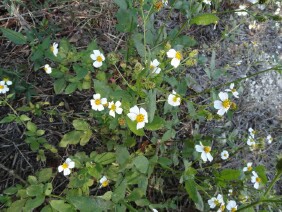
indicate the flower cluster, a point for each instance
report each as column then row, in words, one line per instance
column 251, row 139
column 219, row 202
column 4, row 85
column 99, row 104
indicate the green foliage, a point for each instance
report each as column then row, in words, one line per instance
column 16, row 37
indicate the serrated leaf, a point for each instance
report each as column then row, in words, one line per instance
column 105, row 158
column 8, row 119
column 190, row 186
column 33, row 203
column 34, row 190
column 72, row 137
column 16, row 37
column 24, row 118
column 156, row 124
column 119, row 192
column 79, row 124
column 71, row 88
column 59, row 85
column 139, row 45
column 31, row 127
column 44, row 175
column 122, row 155
column 229, row 174
column 205, row 19
column 88, row 204
column 85, row 137
column 61, row 206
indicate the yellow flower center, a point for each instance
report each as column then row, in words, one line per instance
column 152, row 66
column 6, row 79
column 175, row 99
column 113, row 107
column 225, row 155
column 98, row 101
column 233, row 209
column 105, row 183
column 178, row 55
column 52, row 48
column 233, row 90
column 1, row 87
column 216, row 202
column 207, row 149
column 222, row 207
column 250, row 168
column 226, row 103
column 99, row 59
column 140, row 118
column 65, row 166
column 258, row 180
column 45, row 68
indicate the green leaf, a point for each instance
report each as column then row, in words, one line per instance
column 121, row 3
column 85, row 137
column 205, row 19
column 47, row 208
column 8, row 119
column 229, row 174
column 261, row 173
column 88, row 204
column 24, row 118
column 136, row 194
column 44, row 175
column 48, row 188
column 152, row 104
column 102, row 88
column 33, row 203
column 127, row 20
column 81, row 72
column 132, row 126
column 139, row 45
column 31, row 127
column 156, row 124
column 79, row 124
column 105, row 158
column 34, row 190
column 122, row 155
column 70, row 88
column 10, row 190
column 119, row 192
column 61, row 206
column 17, row 205
column 141, row 163
column 16, row 37
column 59, row 85
column 72, row 137
column 190, row 186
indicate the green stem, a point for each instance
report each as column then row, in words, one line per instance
column 275, row 179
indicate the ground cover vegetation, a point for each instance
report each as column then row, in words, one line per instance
column 101, row 109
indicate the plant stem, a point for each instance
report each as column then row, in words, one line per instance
column 275, row 179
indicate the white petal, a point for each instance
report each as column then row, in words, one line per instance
column 100, row 107
column 132, row 116
column 135, row 110
column 223, row 96
column 93, row 57
column 68, row 160
column 235, row 94
column 209, row 156
column 96, row 53
column 103, row 57
column 175, row 62
column 171, row 53
column 140, row 125
column 97, row 64
column 110, row 105
column 71, row 165
column 104, row 101
column 103, row 179
column 249, row 164
column 256, row 185
column 119, row 110
column 143, row 111
column 97, row 96
column 221, row 112
column 118, row 104
column 112, row 113
column 155, row 63
column 231, row 86
column 204, row 156
column 199, row 148
column 9, row 83
column 60, row 168
column 254, row 174
column 217, row 104
column 67, row 171
column 245, row 169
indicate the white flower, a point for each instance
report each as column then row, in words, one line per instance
column 98, row 58
column 261, row 6
column 115, row 108
column 207, row 2
column 213, row 202
column 233, row 90
column 138, row 115
column 251, row 141
column 69, row 164
column 174, row 99
column 248, row 167
column 205, row 150
column 154, row 210
column 230, row 192
column 224, row 155
column 238, row 63
column 253, row 1
column 242, row 7
column 54, row 49
column 176, row 57
column 3, row 88
column 97, row 103
column 104, row 182
column 231, row 206
column 256, row 180
column 47, row 69
column 223, row 105
column 269, row 139
column 154, row 66
column 253, row 25
column 252, row 132
column 7, row 81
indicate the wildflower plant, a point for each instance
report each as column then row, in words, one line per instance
column 126, row 141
